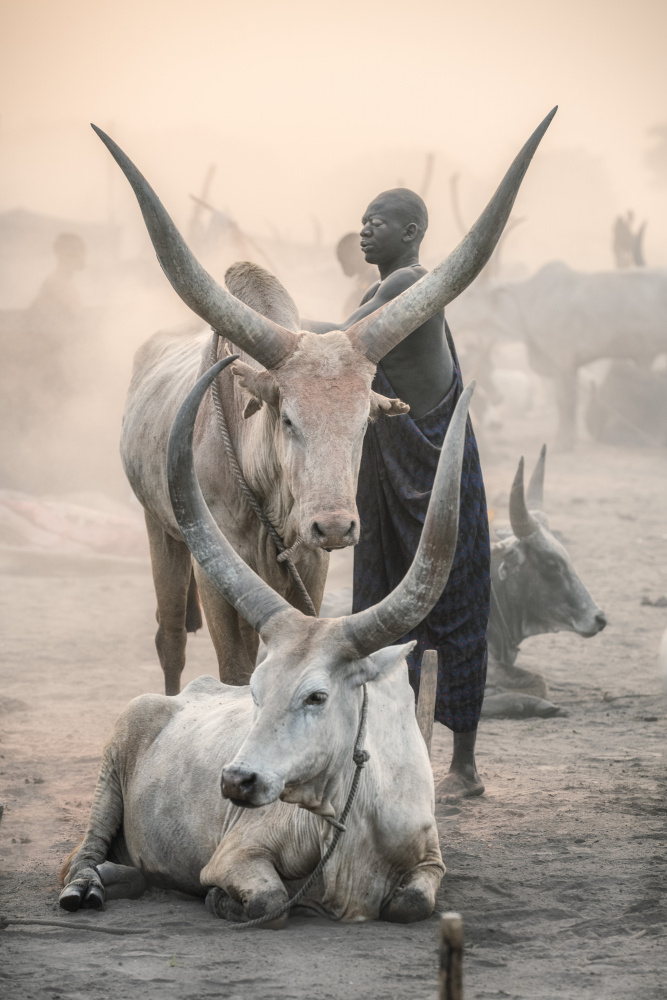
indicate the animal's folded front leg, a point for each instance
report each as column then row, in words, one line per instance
column 252, row 888
column 414, row 899
column 83, row 885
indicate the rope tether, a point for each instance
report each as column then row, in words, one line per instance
column 284, row 554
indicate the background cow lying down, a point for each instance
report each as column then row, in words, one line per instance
column 284, row 741
column 535, row 589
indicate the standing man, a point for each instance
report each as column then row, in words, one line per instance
column 398, row 465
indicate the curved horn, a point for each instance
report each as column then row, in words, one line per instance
column 425, row 581
column 378, row 333
column 522, row 521
column 535, row 491
column 265, row 341
column 245, row 591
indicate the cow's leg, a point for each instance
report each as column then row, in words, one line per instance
column 415, row 897
column 83, row 884
column 566, row 401
column 121, row 881
column 235, row 642
column 244, row 886
column 172, row 572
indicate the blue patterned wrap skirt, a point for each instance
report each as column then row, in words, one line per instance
column 398, row 465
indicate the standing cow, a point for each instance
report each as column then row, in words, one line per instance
column 307, row 409
column 201, row 792
column 568, row 319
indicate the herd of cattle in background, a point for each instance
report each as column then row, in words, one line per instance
column 594, row 344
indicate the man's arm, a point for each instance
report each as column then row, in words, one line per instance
column 376, row 296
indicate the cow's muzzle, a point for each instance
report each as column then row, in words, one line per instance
column 599, row 622
column 244, row 787
column 334, row 530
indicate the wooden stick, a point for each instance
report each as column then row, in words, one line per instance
column 428, row 686
column 451, row 957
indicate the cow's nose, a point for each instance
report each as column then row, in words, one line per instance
column 239, row 784
column 336, row 530
column 600, row 620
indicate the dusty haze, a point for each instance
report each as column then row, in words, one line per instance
column 305, row 111
column 309, row 108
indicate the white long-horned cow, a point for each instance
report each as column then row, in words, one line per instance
column 534, row 586
column 285, row 741
column 300, row 453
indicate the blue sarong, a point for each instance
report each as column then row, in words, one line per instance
column 398, row 465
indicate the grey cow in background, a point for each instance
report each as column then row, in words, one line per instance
column 535, row 588
column 568, row 319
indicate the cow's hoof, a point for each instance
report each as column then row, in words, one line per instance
column 86, row 890
column 406, row 906
column 94, row 898
column 72, row 897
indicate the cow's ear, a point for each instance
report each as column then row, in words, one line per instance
column 383, row 406
column 252, row 406
column 379, row 664
column 260, row 386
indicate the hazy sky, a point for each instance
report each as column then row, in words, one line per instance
column 308, row 106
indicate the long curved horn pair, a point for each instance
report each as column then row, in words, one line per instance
column 257, row 602
column 375, row 335
column 262, row 339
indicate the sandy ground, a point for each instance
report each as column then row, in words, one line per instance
column 558, row 870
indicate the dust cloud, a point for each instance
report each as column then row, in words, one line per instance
column 283, row 121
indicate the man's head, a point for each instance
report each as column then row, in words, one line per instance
column 393, row 225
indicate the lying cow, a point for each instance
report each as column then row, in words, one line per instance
column 283, row 742
column 534, row 587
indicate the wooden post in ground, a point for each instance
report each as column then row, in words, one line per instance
column 428, row 685
column 451, row 957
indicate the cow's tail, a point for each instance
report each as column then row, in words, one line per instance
column 64, row 871
column 193, row 617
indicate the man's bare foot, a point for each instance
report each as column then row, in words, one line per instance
column 456, row 785
column 463, row 781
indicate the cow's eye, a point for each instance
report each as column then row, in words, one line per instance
column 316, row 698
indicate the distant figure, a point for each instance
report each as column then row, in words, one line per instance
column 354, row 265
column 628, row 246
column 54, row 323
column 58, row 291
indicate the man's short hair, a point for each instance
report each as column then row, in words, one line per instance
column 408, row 205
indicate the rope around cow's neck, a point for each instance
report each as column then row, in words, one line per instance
column 360, row 758
column 284, row 554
